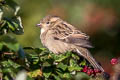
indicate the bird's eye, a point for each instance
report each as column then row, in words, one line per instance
column 47, row 22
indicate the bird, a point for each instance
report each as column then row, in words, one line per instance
column 59, row 37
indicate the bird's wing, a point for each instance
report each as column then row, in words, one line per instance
column 69, row 34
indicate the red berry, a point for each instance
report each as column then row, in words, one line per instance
column 85, row 69
column 96, row 70
column 88, row 72
column 91, row 70
column 114, row 61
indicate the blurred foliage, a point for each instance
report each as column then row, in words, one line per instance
column 13, row 23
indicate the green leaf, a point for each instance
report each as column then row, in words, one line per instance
column 47, row 72
column 11, row 26
column 63, row 75
column 67, row 75
column 35, row 73
column 10, row 68
column 74, row 66
column 36, row 61
column 72, row 62
column 62, row 66
column 15, row 25
column 18, row 24
column 75, row 56
column 68, row 54
column 6, row 78
column 59, row 58
column 10, row 63
column 13, row 64
column 60, row 73
column 83, row 76
column 14, row 47
column 9, row 71
column 7, row 39
column 83, row 63
column 13, row 5
column 33, row 56
column 56, row 77
column 29, row 78
column 39, row 50
column 46, row 64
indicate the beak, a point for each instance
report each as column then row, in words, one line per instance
column 39, row 25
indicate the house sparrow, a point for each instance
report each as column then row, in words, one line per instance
column 59, row 37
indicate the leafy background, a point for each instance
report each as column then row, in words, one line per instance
column 97, row 18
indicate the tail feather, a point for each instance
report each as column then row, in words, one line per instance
column 86, row 54
column 94, row 63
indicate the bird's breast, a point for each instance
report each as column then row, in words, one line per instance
column 55, row 46
column 42, row 30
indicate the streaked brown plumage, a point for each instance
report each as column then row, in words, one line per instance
column 59, row 36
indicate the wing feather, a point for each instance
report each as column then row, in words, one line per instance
column 69, row 34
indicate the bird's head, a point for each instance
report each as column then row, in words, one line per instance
column 48, row 21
